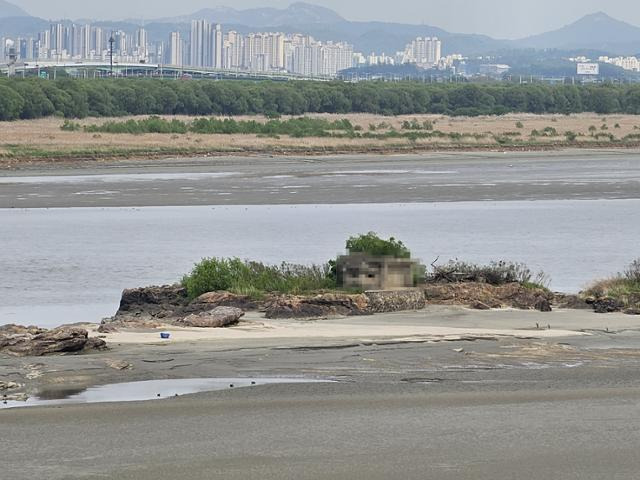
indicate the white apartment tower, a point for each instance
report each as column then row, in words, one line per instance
column 175, row 48
column 425, row 52
column 218, row 44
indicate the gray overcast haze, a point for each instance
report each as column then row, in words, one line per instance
column 498, row 18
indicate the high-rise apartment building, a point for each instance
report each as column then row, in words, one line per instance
column 176, row 49
column 425, row 52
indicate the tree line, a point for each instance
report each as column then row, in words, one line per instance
column 76, row 98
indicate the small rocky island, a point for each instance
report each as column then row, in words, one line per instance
column 375, row 276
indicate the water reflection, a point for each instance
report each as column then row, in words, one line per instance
column 146, row 390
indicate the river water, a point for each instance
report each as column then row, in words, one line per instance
column 65, row 265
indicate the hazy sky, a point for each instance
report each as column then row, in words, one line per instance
column 499, row 18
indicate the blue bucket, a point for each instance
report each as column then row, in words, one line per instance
column 165, row 335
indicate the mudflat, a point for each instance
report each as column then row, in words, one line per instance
column 349, row 179
column 489, row 403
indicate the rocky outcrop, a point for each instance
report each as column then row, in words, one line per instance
column 216, row 318
column 337, row 304
column 483, row 295
column 4, row 386
column 12, row 329
column 325, row 305
column 572, row 302
column 605, row 304
column 212, row 300
column 395, row 301
column 628, row 304
column 59, row 340
column 152, row 307
column 152, row 302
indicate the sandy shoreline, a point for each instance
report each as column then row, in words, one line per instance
column 400, row 327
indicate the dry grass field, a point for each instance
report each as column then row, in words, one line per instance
column 43, row 139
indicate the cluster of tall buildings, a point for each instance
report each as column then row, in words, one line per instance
column 64, row 42
column 425, row 52
column 626, row 63
column 206, row 45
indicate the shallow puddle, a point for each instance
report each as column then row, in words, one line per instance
column 146, row 390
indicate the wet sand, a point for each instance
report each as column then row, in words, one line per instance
column 349, row 179
column 501, row 408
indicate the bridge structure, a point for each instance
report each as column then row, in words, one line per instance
column 100, row 69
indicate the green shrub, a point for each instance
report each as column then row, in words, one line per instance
column 256, row 279
column 69, row 126
column 295, row 127
column 519, row 125
column 372, row 244
column 571, row 136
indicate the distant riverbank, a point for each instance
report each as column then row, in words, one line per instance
column 43, row 141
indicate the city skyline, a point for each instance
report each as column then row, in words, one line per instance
column 497, row 18
column 209, row 46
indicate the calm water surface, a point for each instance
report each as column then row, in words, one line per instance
column 71, row 264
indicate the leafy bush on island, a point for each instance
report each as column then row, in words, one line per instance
column 371, row 244
column 254, row 279
column 79, row 98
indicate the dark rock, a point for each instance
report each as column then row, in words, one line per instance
column 573, row 302
column 95, row 343
column 590, row 300
column 543, row 305
column 152, row 301
column 59, row 340
column 216, row 318
column 607, row 305
column 632, row 311
column 152, row 307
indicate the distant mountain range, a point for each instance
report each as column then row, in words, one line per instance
column 596, row 32
column 10, row 10
column 296, row 13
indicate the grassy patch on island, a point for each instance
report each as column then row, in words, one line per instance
column 623, row 287
column 255, row 279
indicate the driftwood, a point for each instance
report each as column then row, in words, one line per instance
column 448, row 274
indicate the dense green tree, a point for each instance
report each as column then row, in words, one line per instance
column 75, row 98
column 11, row 103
